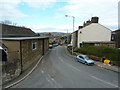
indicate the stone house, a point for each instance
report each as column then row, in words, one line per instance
column 116, row 35
column 75, row 38
column 23, row 44
column 25, row 49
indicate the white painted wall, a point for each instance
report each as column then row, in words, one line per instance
column 94, row 32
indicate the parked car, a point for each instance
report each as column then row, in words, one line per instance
column 61, row 44
column 50, row 46
column 84, row 59
column 54, row 45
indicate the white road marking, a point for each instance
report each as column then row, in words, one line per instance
column 42, row 72
column 104, row 81
column 52, row 79
column 48, row 80
column 69, row 65
column 55, row 83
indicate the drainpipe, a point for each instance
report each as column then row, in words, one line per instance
column 43, row 47
column 21, row 56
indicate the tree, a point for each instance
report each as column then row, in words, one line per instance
column 8, row 22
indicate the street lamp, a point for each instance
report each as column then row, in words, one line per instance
column 73, row 29
column 67, row 37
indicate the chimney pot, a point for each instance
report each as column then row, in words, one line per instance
column 79, row 27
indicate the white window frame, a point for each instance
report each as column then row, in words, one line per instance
column 34, row 47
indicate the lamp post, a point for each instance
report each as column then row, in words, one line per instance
column 73, row 29
column 67, row 37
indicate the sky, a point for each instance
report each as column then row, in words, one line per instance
column 49, row 15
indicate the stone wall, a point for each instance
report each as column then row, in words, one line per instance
column 46, row 44
column 28, row 54
column 75, row 38
column 10, row 70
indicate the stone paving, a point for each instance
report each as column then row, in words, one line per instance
column 108, row 66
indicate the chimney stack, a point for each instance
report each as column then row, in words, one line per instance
column 88, row 22
column 94, row 19
column 79, row 27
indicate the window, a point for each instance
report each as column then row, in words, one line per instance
column 81, row 57
column 113, row 37
column 34, row 46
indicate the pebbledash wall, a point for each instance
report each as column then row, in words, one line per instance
column 22, row 51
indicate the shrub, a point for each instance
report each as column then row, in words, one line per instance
column 101, row 51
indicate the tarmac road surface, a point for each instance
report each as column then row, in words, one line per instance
column 59, row 70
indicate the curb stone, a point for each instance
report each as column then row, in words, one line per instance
column 25, row 75
column 107, row 68
column 15, row 83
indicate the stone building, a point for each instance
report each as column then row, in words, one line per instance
column 117, row 38
column 75, row 38
column 23, row 44
column 23, row 47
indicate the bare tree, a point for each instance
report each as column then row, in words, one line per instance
column 6, row 22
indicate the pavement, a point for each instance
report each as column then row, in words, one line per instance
column 101, row 64
column 107, row 66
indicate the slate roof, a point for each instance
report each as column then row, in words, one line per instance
column 16, row 31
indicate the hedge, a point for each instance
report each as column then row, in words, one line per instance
column 101, row 51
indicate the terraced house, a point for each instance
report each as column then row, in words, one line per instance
column 23, row 44
column 92, row 33
column 117, row 37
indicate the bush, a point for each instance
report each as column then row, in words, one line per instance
column 95, row 57
column 101, row 51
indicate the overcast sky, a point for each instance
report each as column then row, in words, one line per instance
column 49, row 15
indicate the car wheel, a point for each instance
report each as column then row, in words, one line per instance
column 76, row 59
column 86, row 63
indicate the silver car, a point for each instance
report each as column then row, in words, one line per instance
column 85, row 59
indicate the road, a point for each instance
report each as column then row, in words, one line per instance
column 59, row 70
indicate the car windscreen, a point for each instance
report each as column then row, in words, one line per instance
column 86, row 57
